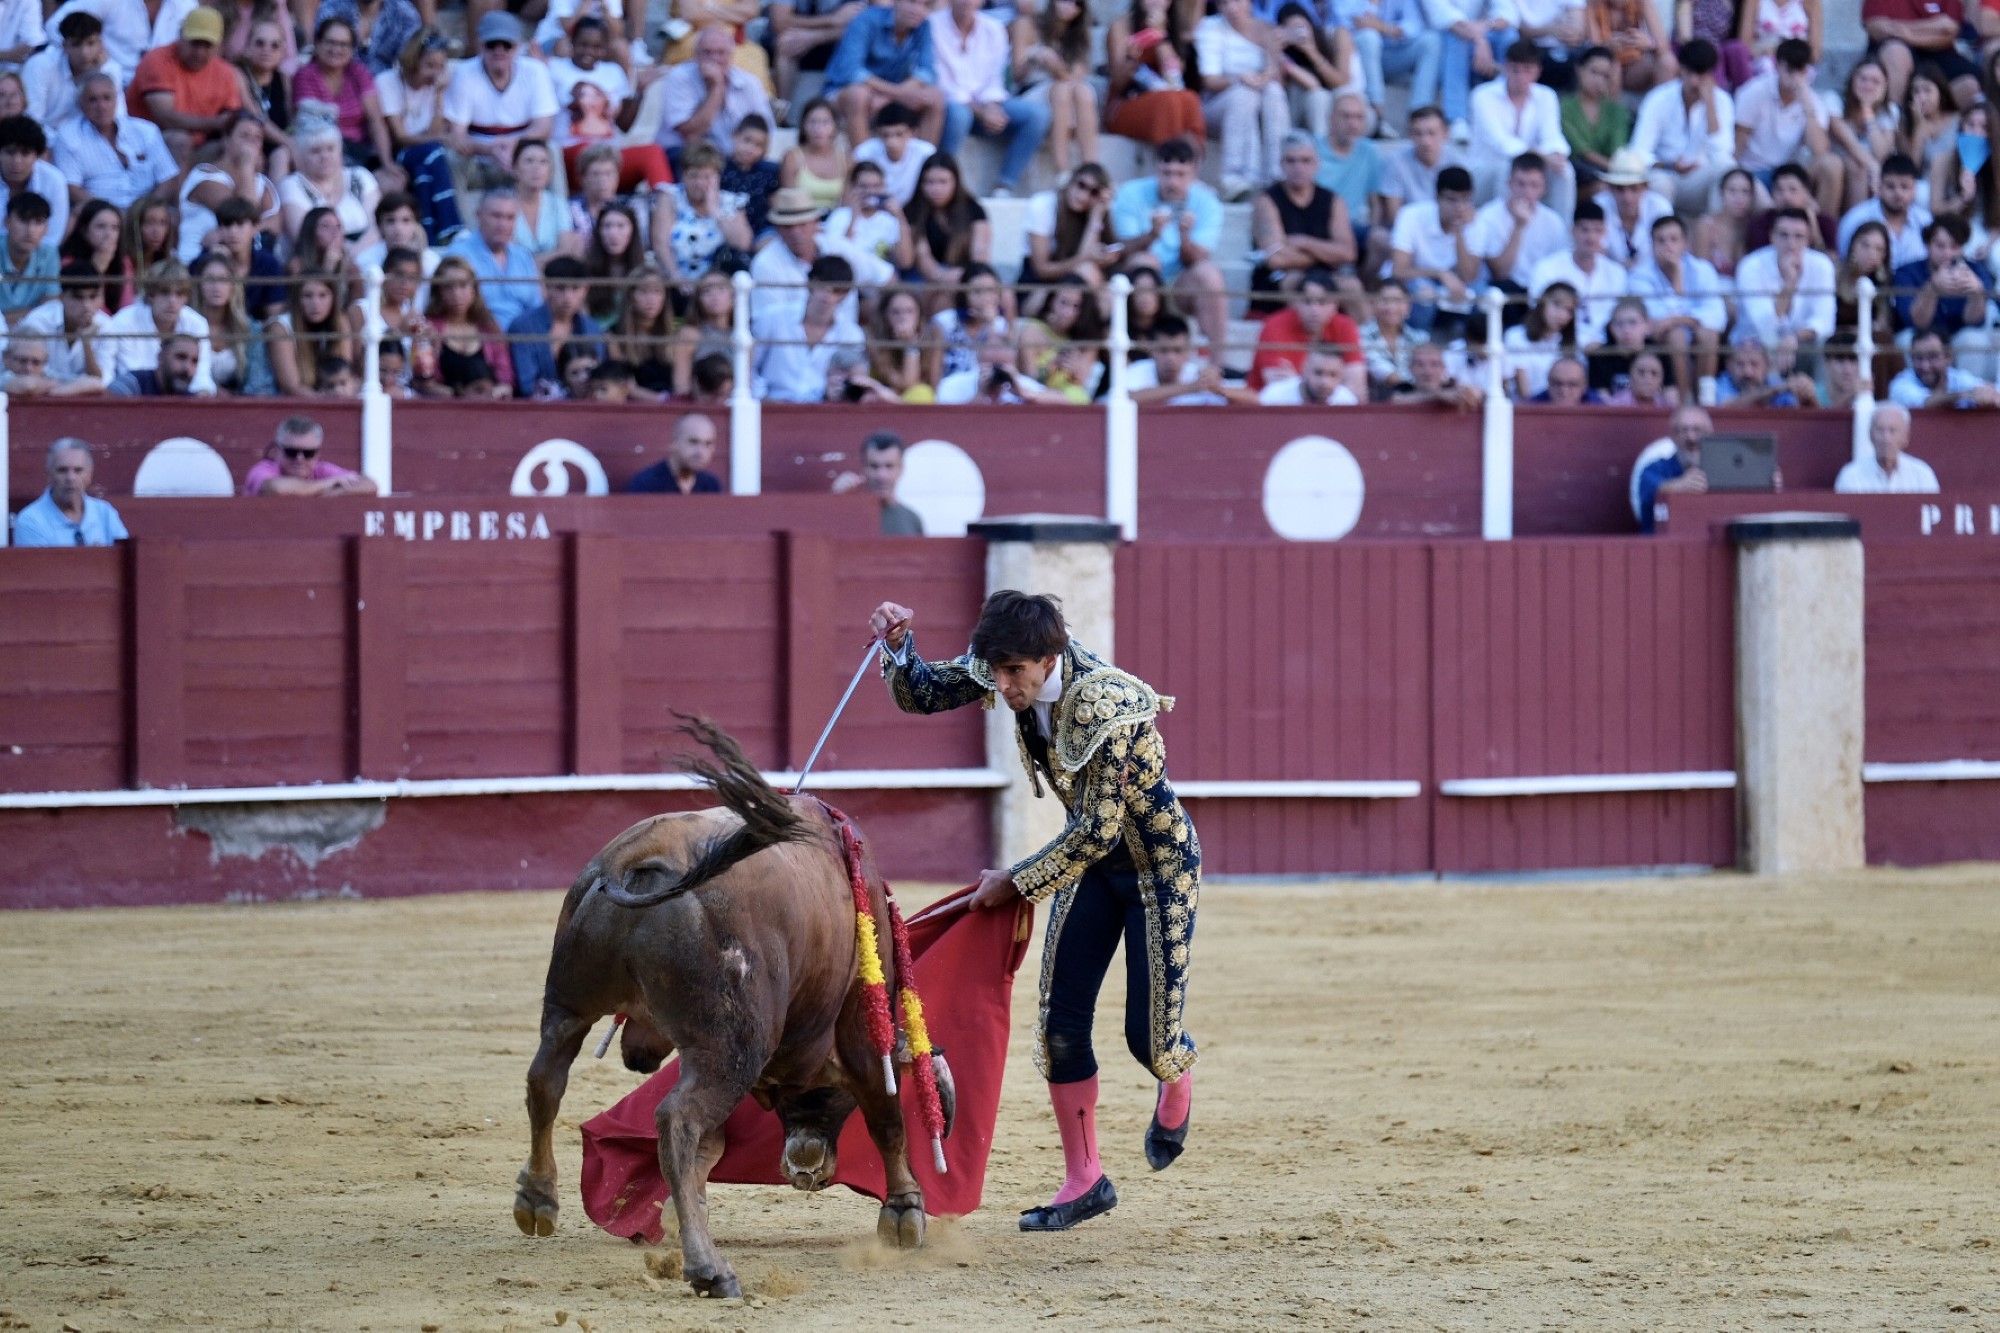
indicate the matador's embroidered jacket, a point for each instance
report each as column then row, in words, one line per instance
column 1107, row 764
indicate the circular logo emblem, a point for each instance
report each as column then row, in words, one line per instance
column 943, row 484
column 1313, row 490
column 553, row 459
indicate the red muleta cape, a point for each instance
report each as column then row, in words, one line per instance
column 965, row 966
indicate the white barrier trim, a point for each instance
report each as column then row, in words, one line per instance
column 860, row 779
column 1386, row 789
column 1942, row 770
column 1589, row 784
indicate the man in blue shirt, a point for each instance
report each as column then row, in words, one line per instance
column 508, row 277
column 28, row 264
column 1180, row 220
column 1349, row 163
column 885, row 56
column 1943, row 293
column 1679, row 473
column 65, row 515
column 559, row 319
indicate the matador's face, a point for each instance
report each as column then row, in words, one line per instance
column 1021, row 682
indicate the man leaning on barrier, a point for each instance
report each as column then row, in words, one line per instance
column 65, row 514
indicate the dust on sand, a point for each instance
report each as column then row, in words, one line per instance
column 1698, row 1104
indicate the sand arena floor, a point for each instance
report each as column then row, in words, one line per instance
column 1703, row 1104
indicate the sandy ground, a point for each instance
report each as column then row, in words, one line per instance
column 1705, row 1104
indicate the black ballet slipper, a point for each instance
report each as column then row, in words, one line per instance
column 1100, row 1199
column 1163, row 1146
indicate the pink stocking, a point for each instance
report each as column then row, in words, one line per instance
column 1175, row 1100
column 1076, row 1121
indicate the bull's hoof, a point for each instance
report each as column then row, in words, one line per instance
column 808, row 1162
column 901, row 1223
column 534, row 1208
column 721, row 1284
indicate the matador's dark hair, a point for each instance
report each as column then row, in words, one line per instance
column 1019, row 627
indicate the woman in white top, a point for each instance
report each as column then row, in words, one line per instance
column 324, row 181
column 235, row 174
column 1243, row 94
column 411, row 96
column 132, row 337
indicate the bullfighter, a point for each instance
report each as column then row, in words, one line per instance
column 1126, row 863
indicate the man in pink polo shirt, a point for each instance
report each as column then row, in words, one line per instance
column 292, row 465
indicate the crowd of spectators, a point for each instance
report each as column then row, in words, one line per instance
column 1673, row 209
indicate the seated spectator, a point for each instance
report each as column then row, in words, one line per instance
column 1351, row 166
column 1546, row 336
column 1312, row 322
column 1517, row 231
column 97, row 243
column 132, row 337
column 749, row 173
column 1599, row 283
column 611, row 382
column 1596, row 123
column 1902, row 32
column 1931, row 380
column 105, row 155
column 542, row 221
column 643, row 339
column 65, row 513
column 1410, row 170
column 385, row 28
column 1628, row 334
column 597, row 98
column 700, row 220
column 412, row 95
column 1430, row 383
column 708, row 331
column 322, row 181
column 334, row 77
column 881, row 469
column 1149, row 52
column 1780, row 120
column 1943, row 293
column 897, row 150
column 238, row 358
column 1637, row 39
column 684, row 471
column 1893, row 203
column 1680, row 472
column 574, row 363
column 1864, row 133
column 70, row 328
column 1888, row 470
column 704, row 100
column 1243, row 92
column 317, row 329
column 714, row 380
column 1721, row 238
column 1433, row 256
column 402, row 284
column 1052, row 64
column 1787, row 289
column 1394, row 38
column 53, row 77
column 507, row 273
column 184, row 89
column 495, row 100
column 1475, row 36
column 265, row 72
column 1517, row 114
column 28, row 263
column 1178, row 220
column 948, row 231
column 1143, row 309
column 1842, row 366
column 1297, row 224
column 176, row 360
column 566, row 23
column 1687, row 126
column 900, row 353
column 1750, row 382
column 152, row 233
column 1962, row 181
column 26, row 362
column 463, row 353
column 885, row 56
column 392, row 369
column 971, row 54
column 1070, row 233
column 782, row 264
column 615, row 253
column 1567, row 384
column 1791, row 187
column 22, row 170
column 537, row 334
column 1176, row 377
column 1386, row 341
column 1645, row 385
column 237, row 175
column 974, row 321
column 1684, row 300
column 292, row 465
column 399, row 222
column 339, row 379
column 1323, row 383
column 1630, row 209
column 869, row 217
column 598, row 169
column 322, row 248
column 804, row 35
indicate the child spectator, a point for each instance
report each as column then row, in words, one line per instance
column 749, row 174
column 897, row 150
column 870, row 217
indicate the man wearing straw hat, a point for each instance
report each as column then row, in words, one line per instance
column 782, row 265
column 1630, row 209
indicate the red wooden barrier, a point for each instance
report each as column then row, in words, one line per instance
column 63, row 670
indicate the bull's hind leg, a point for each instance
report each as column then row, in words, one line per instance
column 690, row 1122
column 901, row 1221
column 535, row 1193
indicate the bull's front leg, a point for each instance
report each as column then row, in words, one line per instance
column 901, row 1221
column 548, row 1076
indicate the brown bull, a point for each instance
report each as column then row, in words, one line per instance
column 726, row 935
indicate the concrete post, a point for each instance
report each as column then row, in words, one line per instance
column 1799, row 704
column 1070, row 558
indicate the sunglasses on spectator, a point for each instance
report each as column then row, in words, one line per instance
column 296, row 454
column 499, row 44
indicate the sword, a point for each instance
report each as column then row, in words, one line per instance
column 867, row 659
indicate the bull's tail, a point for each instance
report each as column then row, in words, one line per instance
column 768, row 819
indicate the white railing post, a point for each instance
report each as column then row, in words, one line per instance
column 378, row 447
column 1864, row 347
column 1121, row 420
column 6, row 443
column 1496, row 439
column 746, row 414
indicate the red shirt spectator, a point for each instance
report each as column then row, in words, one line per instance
column 1285, row 338
column 184, row 87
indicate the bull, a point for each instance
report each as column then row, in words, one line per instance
column 726, row 936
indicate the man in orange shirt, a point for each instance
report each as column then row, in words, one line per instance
column 184, row 89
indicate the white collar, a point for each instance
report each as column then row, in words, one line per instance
column 1053, row 686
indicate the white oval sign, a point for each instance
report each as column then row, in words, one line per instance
column 943, row 484
column 553, row 459
column 1313, row 490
